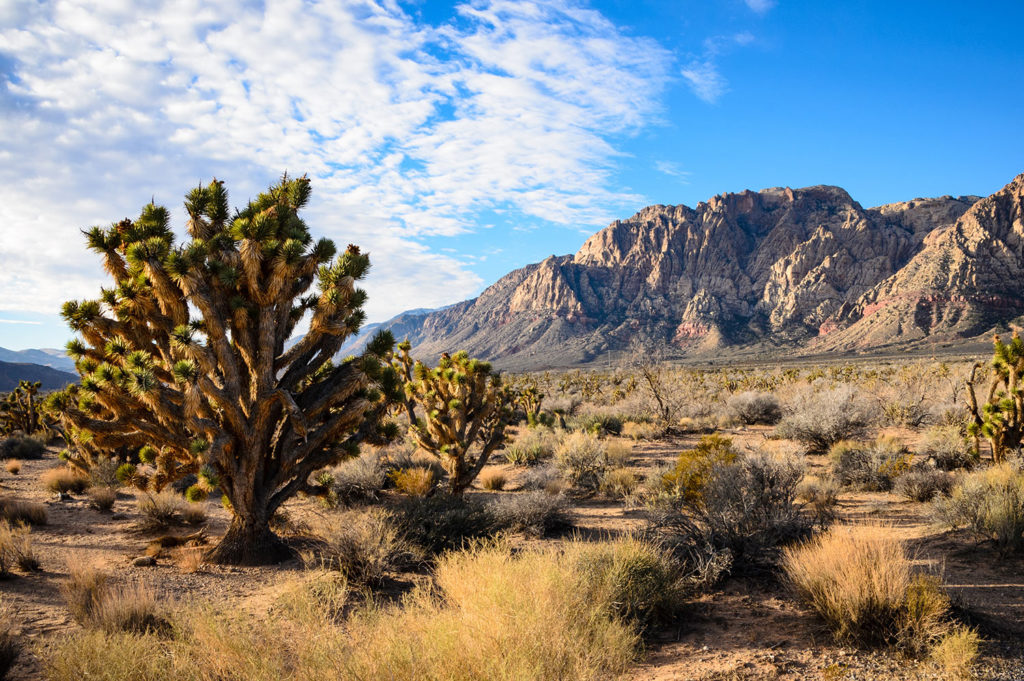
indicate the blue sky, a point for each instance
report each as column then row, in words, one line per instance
column 456, row 141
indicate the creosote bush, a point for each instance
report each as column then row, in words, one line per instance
column 988, row 503
column 359, row 479
column 21, row 446
column 819, row 419
column 870, row 466
column 694, row 467
column 861, row 581
column 923, row 483
column 755, row 408
column 948, row 448
column 581, row 458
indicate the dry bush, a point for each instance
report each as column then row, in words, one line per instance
column 947, row 447
column 536, row 513
column 16, row 548
column 619, row 483
column 18, row 511
column 13, row 466
column 956, row 652
column 82, row 590
column 545, row 478
column 318, row 595
column 755, row 408
column 693, row 469
column 104, row 473
column 618, row 453
column 861, row 581
column 20, row 446
column 990, row 504
column 160, row 510
column 581, row 458
column 363, row 545
column 819, row 419
column 416, row 481
column 641, row 430
column 189, row 559
column 443, row 522
column 820, row 495
column 10, row 645
column 493, row 479
column 102, row 498
column 193, row 513
column 531, row 445
column 923, row 483
column 95, row 603
column 870, row 466
column 64, row 480
column 359, row 480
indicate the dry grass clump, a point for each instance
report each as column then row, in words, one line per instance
column 360, row 479
column 923, row 483
column 97, row 604
column 64, row 480
column 493, row 479
column 618, row 453
column 870, row 466
column 641, row 430
column 193, row 513
column 819, row 419
column 189, row 559
column 13, row 466
column 16, row 548
column 861, row 581
column 619, row 483
column 752, row 407
column 581, row 458
column 161, row 510
column 956, row 652
column 18, row 511
column 531, row 445
column 536, row 513
column 416, row 481
column 102, row 498
column 543, row 614
column 988, row 503
column 10, row 646
column 363, row 545
column 545, row 478
column 820, row 495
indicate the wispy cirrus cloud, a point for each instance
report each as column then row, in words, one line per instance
column 408, row 129
column 702, row 74
column 761, row 6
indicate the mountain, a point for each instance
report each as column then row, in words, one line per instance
column 56, row 359
column 967, row 279
column 51, row 379
column 750, row 271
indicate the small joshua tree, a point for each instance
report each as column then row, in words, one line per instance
column 1000, row 420
column 464, row 404
column 183, row 361
column 21, row 409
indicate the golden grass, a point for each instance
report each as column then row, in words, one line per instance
column 102, row 498
column 64, row 479
column 16, row 548
column 956, row 652
column 493, row 480
column 18, row 511
column 618, row 453
column 13, row 466
column 96, row 603
column 416, row 481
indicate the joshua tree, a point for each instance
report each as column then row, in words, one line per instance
column 1001, row 419
column 184, row 360
column 20, row 409
column 464, row 403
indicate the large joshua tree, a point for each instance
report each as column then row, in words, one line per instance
column 184, row 357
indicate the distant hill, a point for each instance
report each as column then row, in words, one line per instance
column 48, row 357
column 51, row 379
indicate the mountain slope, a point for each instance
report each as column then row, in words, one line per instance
column 51, row 379
column 55, row 359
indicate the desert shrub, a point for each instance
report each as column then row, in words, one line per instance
column 16, row 548
column 536, row 513
column 64, row 480
column 693, row 468
column 20, row 446
column 820, row 496
column 103, row 473
column 619, row 483
column 493, row 480
column 922, row 483
column 18, row 511
column 871, row 466
column 861, row 582
column 988, row 503
column 746, row 507
column 82, row 590
column 12, row 466
column 363, row 545
column 908, row 412
column 596, row 423
column 581, row 458
column 545, row 478
column 10, row 645
column 358, row 480
column 442, row 522
column 947, row 447
column 618, row 453
column 530, row 446
column 641, row 430
column 193, row 513
column 956, row 652
column 753, row 407
column 819, row 419
column 416, row 481
column 640, row 579
column 160, row 510
column 96, row 603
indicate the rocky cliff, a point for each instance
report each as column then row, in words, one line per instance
column 787, row 269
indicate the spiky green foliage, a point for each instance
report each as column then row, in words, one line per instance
column 184, row 363
column 466, row 408
column 22, row 410
column 1000, row 420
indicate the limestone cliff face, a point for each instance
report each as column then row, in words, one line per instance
column 777, row 268
column 966, row 279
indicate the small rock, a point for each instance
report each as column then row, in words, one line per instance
column 144, row 561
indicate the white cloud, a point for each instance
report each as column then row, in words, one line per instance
column 407, row 129
column 702, row 74
column 19, row 321
column 761, row 6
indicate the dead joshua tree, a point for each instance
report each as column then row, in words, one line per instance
column 185, row 356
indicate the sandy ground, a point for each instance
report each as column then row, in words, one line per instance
column 745, row 629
